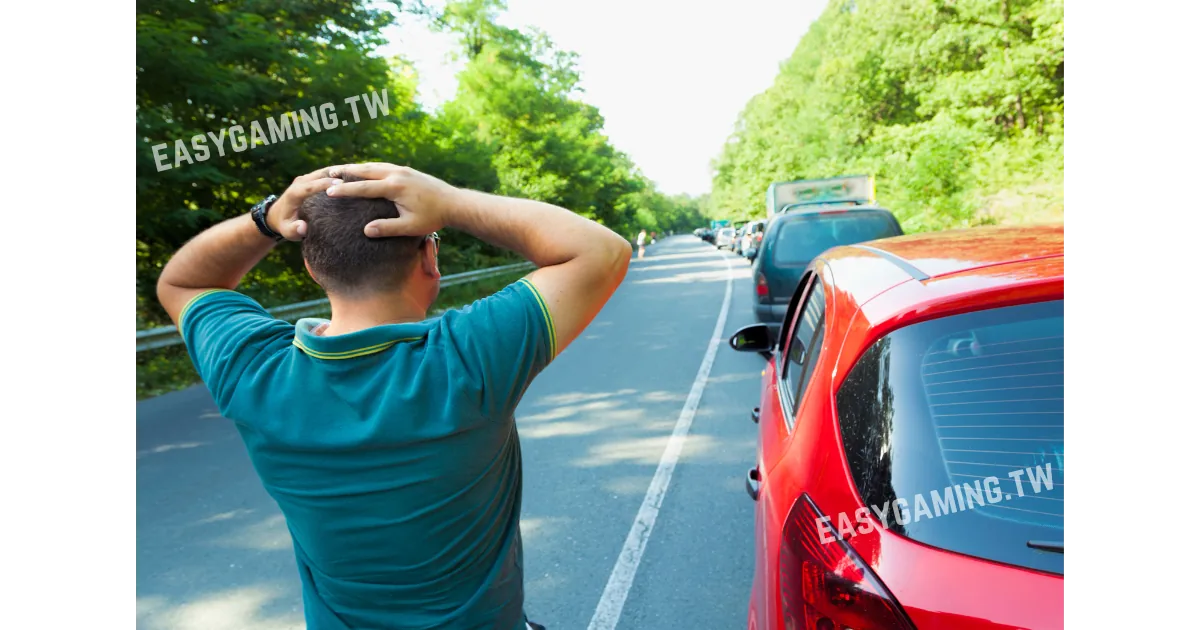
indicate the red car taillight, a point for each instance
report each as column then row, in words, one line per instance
column 826, row 585
column 760, row 286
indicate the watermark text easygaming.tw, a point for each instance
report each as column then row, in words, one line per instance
column 956, row 498
column 286, row 126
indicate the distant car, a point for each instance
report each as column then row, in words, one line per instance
column 751, row 238
column 707, row 235
column 794, row 238
column 736, row 246
column 910, row 464
column 725, row 237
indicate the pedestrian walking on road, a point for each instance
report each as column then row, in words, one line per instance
column 641, row 243
column 388, row 439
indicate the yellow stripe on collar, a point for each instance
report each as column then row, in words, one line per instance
column 350, row 354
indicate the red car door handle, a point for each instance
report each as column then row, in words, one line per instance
column 752, row 483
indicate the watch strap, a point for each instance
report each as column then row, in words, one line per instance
column 259, row 215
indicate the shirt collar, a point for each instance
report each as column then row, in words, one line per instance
column 355, row 344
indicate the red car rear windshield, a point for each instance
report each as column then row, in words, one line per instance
column 953, row 429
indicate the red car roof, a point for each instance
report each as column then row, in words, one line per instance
column 962, row 261
column 954, row 251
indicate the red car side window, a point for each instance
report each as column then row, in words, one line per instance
column 803, row 348
column 789, row 318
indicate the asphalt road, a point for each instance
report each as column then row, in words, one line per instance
column 214, row 552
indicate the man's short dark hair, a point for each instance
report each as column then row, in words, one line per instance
column 342, row 258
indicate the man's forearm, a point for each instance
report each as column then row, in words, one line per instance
column 543, row 233
column 218, row 258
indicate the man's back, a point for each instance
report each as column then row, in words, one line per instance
column 391, row 451
column 391, row 448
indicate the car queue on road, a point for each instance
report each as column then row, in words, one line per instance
column 909, row 471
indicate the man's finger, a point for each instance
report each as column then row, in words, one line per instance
column 402, row 226
column 315, row 175
column 307, row 188
column 369, row 188
column 294, row 230
column 368, row 170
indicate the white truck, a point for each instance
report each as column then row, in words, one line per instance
column 856, row 189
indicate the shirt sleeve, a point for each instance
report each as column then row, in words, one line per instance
column 227, row 333
column 504, row 341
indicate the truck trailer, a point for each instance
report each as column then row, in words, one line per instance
column 857, row 189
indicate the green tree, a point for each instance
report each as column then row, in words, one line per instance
column 205, row 66
column 518, row 125
column 955, row 105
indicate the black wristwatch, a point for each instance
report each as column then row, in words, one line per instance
column 259, row 214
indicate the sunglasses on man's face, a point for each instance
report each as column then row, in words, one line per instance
column 437, row 242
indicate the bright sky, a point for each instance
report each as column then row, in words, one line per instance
column 669, row 77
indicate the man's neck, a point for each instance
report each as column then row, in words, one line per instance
column 353, row 315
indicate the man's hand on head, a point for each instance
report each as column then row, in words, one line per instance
column 423, row 201
column 282, row 215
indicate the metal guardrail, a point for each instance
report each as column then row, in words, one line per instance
column 164, row 336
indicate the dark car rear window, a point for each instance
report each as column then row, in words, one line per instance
column 804, row 237
column 965, row 412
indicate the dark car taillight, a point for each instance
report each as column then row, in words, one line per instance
column 824, row 584
column 760, row 287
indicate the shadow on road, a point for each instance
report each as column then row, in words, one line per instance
column 213, row 551
column 594, row 428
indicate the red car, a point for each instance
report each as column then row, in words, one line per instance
column 910, row 461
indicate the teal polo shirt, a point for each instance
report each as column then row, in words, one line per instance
column 392, row 451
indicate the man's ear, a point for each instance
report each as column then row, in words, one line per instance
column 429, row 261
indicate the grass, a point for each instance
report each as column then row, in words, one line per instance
column 169, row 369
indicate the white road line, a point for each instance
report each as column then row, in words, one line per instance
column 608, row 611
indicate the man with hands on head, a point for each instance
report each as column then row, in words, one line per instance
column 388, row 439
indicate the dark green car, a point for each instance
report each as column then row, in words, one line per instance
column 799, row 234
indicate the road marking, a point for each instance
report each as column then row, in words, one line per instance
column 608, row 611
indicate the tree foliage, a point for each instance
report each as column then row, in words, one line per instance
column 955, row 105
column 517, row 126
